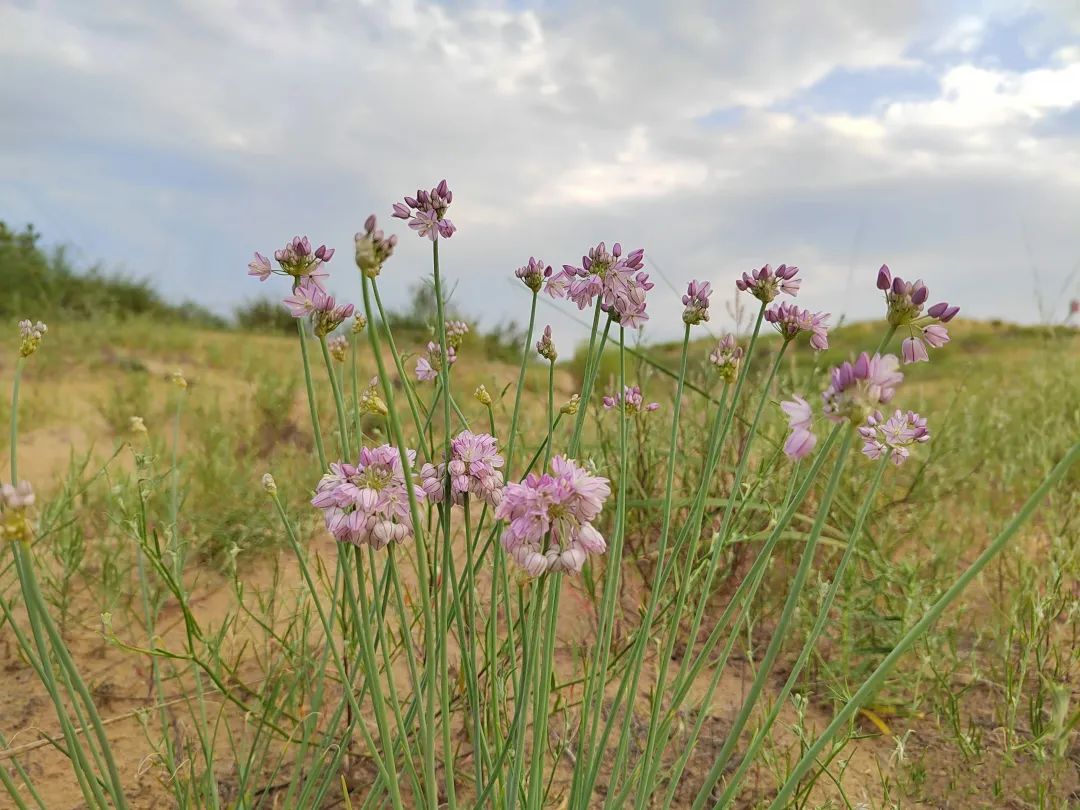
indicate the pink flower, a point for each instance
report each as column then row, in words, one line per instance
column 306, row 298
column 617, row 280
column 367, row 502
column 790, row 320
column 913, row 350
column 296, row 259
column 936, row 335
column 726, row 357
column 894, row 435
column 534, row 273
column 549, row 518
column 696, row 302
column 545, row 347
column 801, row 440
column 260, row 267
column 474, row 469
column 426, row 212
column 765, row 284
column 856, row 389
column 631, row 400
column 429, row 364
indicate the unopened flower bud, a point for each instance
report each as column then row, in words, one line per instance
column 177, row 378
column 482, row 396
column 268, row 484
column 359, row 322
column 570, row 407
column 545, row 347
column 31, row 334
column 136, row 424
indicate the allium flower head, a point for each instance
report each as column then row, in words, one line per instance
column 618, row 280
column 726, row 356
column 178, row 379
column 310, row 299
column 426, row 212
column 136, row 424
column 549, row 518
column 482, row 396
column 790, row 320
column 534, row 273
column 429, row 364
column 894, row 435
column 630, row 400
column 857, row 389
column 296, row 259
column 371, row 401
column 570, row 407
column 800, row 442
column 765, row 284
column 367, row 502
column 269, row 485
column 474, row 469
column 905, row 299
column 455, row 333
column 15, row 504
column 373, row 248
column 545, row 347
column 30, row 335
column 359, row 324
column 696, row 302
column 339, row 347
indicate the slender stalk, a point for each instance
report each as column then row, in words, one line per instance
column 811, row 639
column 339, row 401
column 780, row 633
column 313, row 406
column 531, row 638
column 525, row 352
column 873, row 683
column 541, row 711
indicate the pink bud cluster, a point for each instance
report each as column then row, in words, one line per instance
column 765, row 284
column 550, row 518
column 367, row 503
column 429, row 364
column 545, row 347
column 726, row 356
column 373, row 248
column 696, row 302
column 904, row 301
column 309, row 298
column 426, row 212
column 791, row 320
column 474, row 469
column 856, row 389
column 631, row 401
column 619, row 281
column 296, row 259
column 534, row 273
column 894, row 435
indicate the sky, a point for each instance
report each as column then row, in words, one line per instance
column 170, row 140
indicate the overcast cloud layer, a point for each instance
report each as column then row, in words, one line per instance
column 173, row 139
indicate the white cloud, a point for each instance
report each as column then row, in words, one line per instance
column 179, row 137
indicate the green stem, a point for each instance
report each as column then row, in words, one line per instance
column 339, row 400
column 874, row 682
column 313, row 406
column 525, row 353
column 780, row 633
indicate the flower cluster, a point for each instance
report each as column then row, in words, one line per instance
column 426, row 212
column 631, row 401
column 474, row 469
column 618, row 281
column 455, row 333
column 370, row 401
column 482, row 396
column 765, row 284
column 31, row 335
column 790, row 320
column 856, row 389
column 373, row 248
column 534, row 274
column 296, row 259
column 549, row 518
column 367, row 502
column 545, row 347
column 570, row 407
column 800, row 442
column 429, row 364
column 696, row 302
column 893, row 435
column 905, row 301
column 726, row 356
column 339, row 347
column 359, row 324
column 309, row 298
column 15, row 503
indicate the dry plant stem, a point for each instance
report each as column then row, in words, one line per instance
column 873, row 683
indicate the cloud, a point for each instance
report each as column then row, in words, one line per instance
column 175, row 139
